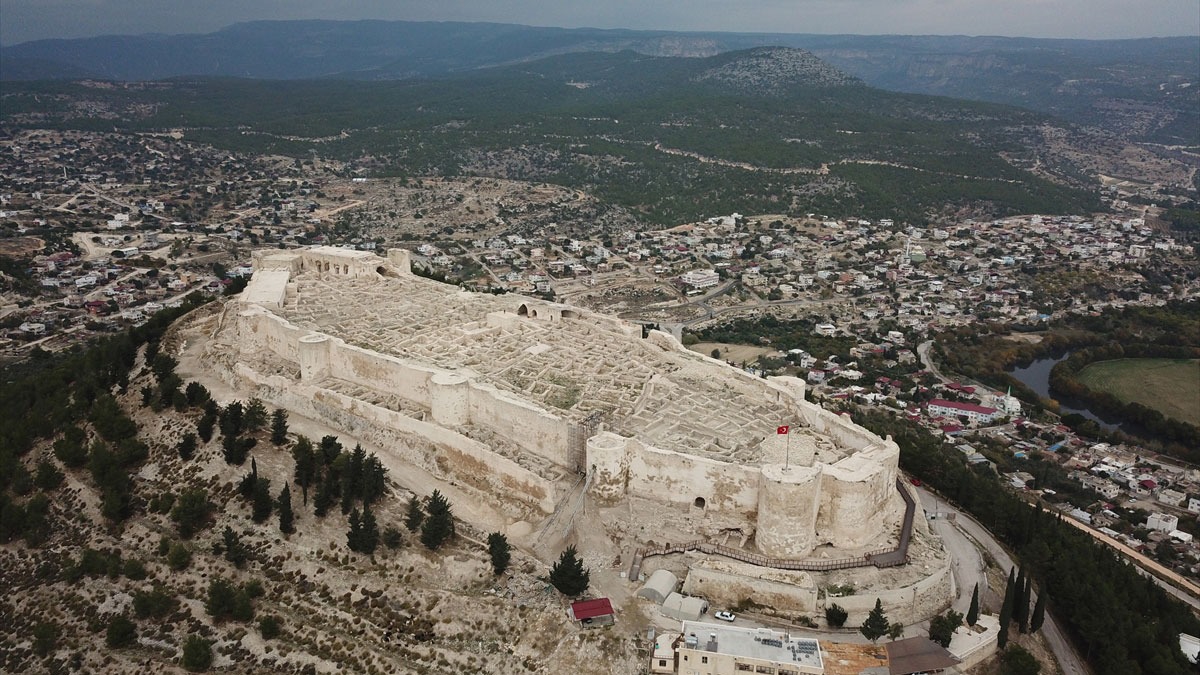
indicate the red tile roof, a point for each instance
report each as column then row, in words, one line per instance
column 590, row 609
column 966, row 407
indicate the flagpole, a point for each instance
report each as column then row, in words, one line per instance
column 787, row 457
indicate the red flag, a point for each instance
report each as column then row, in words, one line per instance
column 782, row 430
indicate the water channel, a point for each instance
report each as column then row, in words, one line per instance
column 1036, row 376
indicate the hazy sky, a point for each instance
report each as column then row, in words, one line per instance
column 22, row 20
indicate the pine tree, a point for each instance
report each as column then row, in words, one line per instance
column 876, row 624
column 439, row 525
column 1039, row 613
column 568, row 574
column 973, row 611
column 352, row 477
column 286, row 517
column 374, row 480
column 368, row 538
column 246, row 485
column 187, row 446
column 204, row 428
column 232, row 419
column 415, row 514
column 330, row 449
column 235, row 551
column 500, row 552
column 233, row 449
column 326, row 494
column 255, row 416
column 306, row 464
column 260, row 508
column 354, row 534
column 279, row 426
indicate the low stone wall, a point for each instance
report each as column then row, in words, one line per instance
column 726, row 583
column 907, row 604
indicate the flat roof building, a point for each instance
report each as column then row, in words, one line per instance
column 710, row 649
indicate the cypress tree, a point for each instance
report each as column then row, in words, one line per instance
column 354, row 535
column 286, row 517
column 877, row 624
column 973, row 612
column 306, row 465
column 1006, row 611
column 260, row 507
column 368, row 538
column 279, row 426
column 1039, row 613
column 1021, row 604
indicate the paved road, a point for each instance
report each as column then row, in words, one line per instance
column 1068, row 659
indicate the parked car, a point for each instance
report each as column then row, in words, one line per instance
column 725, row 616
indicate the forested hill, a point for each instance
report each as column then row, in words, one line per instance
column 1143, row 89
column 766, row 130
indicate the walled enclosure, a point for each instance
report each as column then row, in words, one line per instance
column 515, row 395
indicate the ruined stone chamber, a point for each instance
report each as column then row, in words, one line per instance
column 520, row 398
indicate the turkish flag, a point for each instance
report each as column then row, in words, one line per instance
column 782, row 430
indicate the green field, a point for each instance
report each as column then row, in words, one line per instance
column 1170, row 386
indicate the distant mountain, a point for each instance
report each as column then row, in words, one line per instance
column 1146, row 89
column 774, row 71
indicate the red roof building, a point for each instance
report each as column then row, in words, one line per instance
column 598, row 611
column 973, row 412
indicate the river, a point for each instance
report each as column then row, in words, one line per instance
column 1036, row 376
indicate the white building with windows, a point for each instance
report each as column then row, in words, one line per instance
column 701, row 278
column 1163, row 522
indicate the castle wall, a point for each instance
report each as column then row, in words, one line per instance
column 523, row 423
column 907, row 605
column 258, row 329
column 725, row 582
column 379, row 371
column 452, row 454
column 859, row 502
column 625, row 466
column 788, row 505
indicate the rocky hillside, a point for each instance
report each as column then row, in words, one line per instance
column 140, row 538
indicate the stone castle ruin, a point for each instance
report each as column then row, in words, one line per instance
column 530, row 402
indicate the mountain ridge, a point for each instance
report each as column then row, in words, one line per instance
column 1143, row 89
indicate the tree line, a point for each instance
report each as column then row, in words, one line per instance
column 1122, row 622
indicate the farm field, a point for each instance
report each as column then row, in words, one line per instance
column 1170, row 386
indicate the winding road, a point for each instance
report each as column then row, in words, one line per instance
column 962, row 537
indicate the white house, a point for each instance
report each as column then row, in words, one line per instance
column 1163, row 522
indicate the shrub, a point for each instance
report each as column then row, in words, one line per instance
column 197, row 654
column 121, row 632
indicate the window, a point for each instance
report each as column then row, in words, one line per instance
column 744, row 667
column 662, row 662
column 766, row 670
column 703, row 659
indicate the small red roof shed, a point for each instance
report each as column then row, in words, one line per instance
column 591, row 609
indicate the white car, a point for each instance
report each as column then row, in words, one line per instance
column 725, row 616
